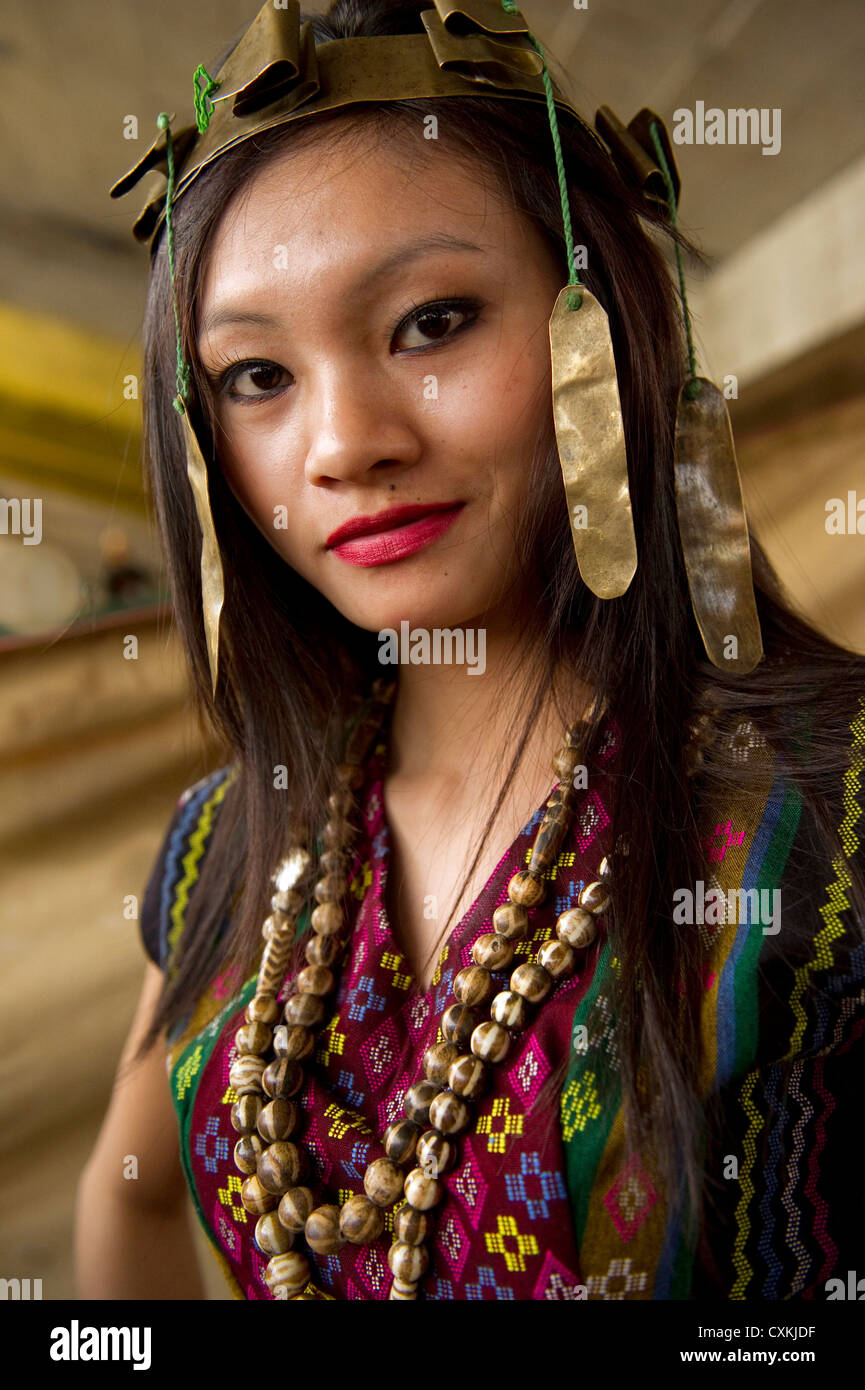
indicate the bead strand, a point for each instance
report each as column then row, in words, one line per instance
column 455, row 1077
column 456, row 1069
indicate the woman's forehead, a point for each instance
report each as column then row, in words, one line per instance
column 364, row 202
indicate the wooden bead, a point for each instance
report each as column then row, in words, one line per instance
column 293, row 1042
column 410, row 1226
column 329, row 889
column 493, row 951
column 449, row 1113
column 256, row 1198
column 565, row 763
column 350, row 775
column 511, row 922
column 253, row 1037
column 595, row 897
column 281, row 1166
column 526, row 889
column 327, row 919
column 278, row 1120
column 322, row 1230
column 417, row 1101
column 360, row 1221
column 468, row 1077
column 437, row 1061
column 532, row 981
column 322, row 950
column 474, row 985
column 435, row 1154
column 576, row 928
column 263, row 1008
column 295, row 1206
column 510, row 1010
column 274, row 964
column 383, row 1182
column 340, row 802
column 408, row 1263
column 245, row 1074
column 458, row 1023
column 247, row 1152
column 304, row 1010
column 271, row 1237
column 282, row 1078
column 400, row 1141
column 287, row 1275
column 338, row 833
column 402, row 1291
column 245, row 1112
column 276, row 925
column 333, row 861
column 491, row 1042
column 568, row 795
column 316, row 979
column 548, row 841
column 288, row 901
column 422, row 1192
column 558, row 958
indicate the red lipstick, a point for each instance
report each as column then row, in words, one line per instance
column 384, row 537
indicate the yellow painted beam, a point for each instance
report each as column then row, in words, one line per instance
column 69, row 413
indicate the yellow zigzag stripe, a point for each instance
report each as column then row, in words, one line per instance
column 191, row 859
column 749, row 1146
column 836, row 892
column 822, row 959
column 836, row 904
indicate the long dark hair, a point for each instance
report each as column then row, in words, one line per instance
column 290, row 661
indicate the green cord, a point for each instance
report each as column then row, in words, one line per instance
column 692, row 387
column 574, row 298
column 201, row 99
column 203, row 113
column 183, row 372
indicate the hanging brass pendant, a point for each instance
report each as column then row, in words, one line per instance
column 591, row 443
column 212, row 583
column 714, row 531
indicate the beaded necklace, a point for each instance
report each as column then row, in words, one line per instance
column 267, row 1071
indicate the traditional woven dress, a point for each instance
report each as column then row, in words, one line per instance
column 541, row 1203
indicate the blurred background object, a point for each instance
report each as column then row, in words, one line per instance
column 96, row 739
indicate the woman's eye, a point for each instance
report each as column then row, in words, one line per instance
column 256, row 379
column 432, row 323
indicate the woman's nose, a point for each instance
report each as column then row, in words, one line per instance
column 357, row 421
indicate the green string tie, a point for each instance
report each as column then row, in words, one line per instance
column 183, row 373
column 574, row 298
column 692, row 386
column 201, row 99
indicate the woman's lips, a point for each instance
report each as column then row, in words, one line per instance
column 401, row 532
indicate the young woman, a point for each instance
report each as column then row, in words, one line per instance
column 626, row 1074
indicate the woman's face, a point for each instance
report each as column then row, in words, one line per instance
column 374, row 330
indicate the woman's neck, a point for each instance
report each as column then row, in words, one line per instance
column 454, row 721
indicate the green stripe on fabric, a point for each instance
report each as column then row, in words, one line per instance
column 771, row 872
column 745, row 987
column 580, row 1107
column 185, row 1078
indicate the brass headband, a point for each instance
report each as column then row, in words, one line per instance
column 277, row 74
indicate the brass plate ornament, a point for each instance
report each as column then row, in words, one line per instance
column 212, row 584
column 714, row 532
column 591, row 444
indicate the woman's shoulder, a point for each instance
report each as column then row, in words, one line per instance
column 179, row 861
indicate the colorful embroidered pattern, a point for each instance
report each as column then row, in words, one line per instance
column 547, row 1211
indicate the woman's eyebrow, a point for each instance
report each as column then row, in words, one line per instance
column 396, row 260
